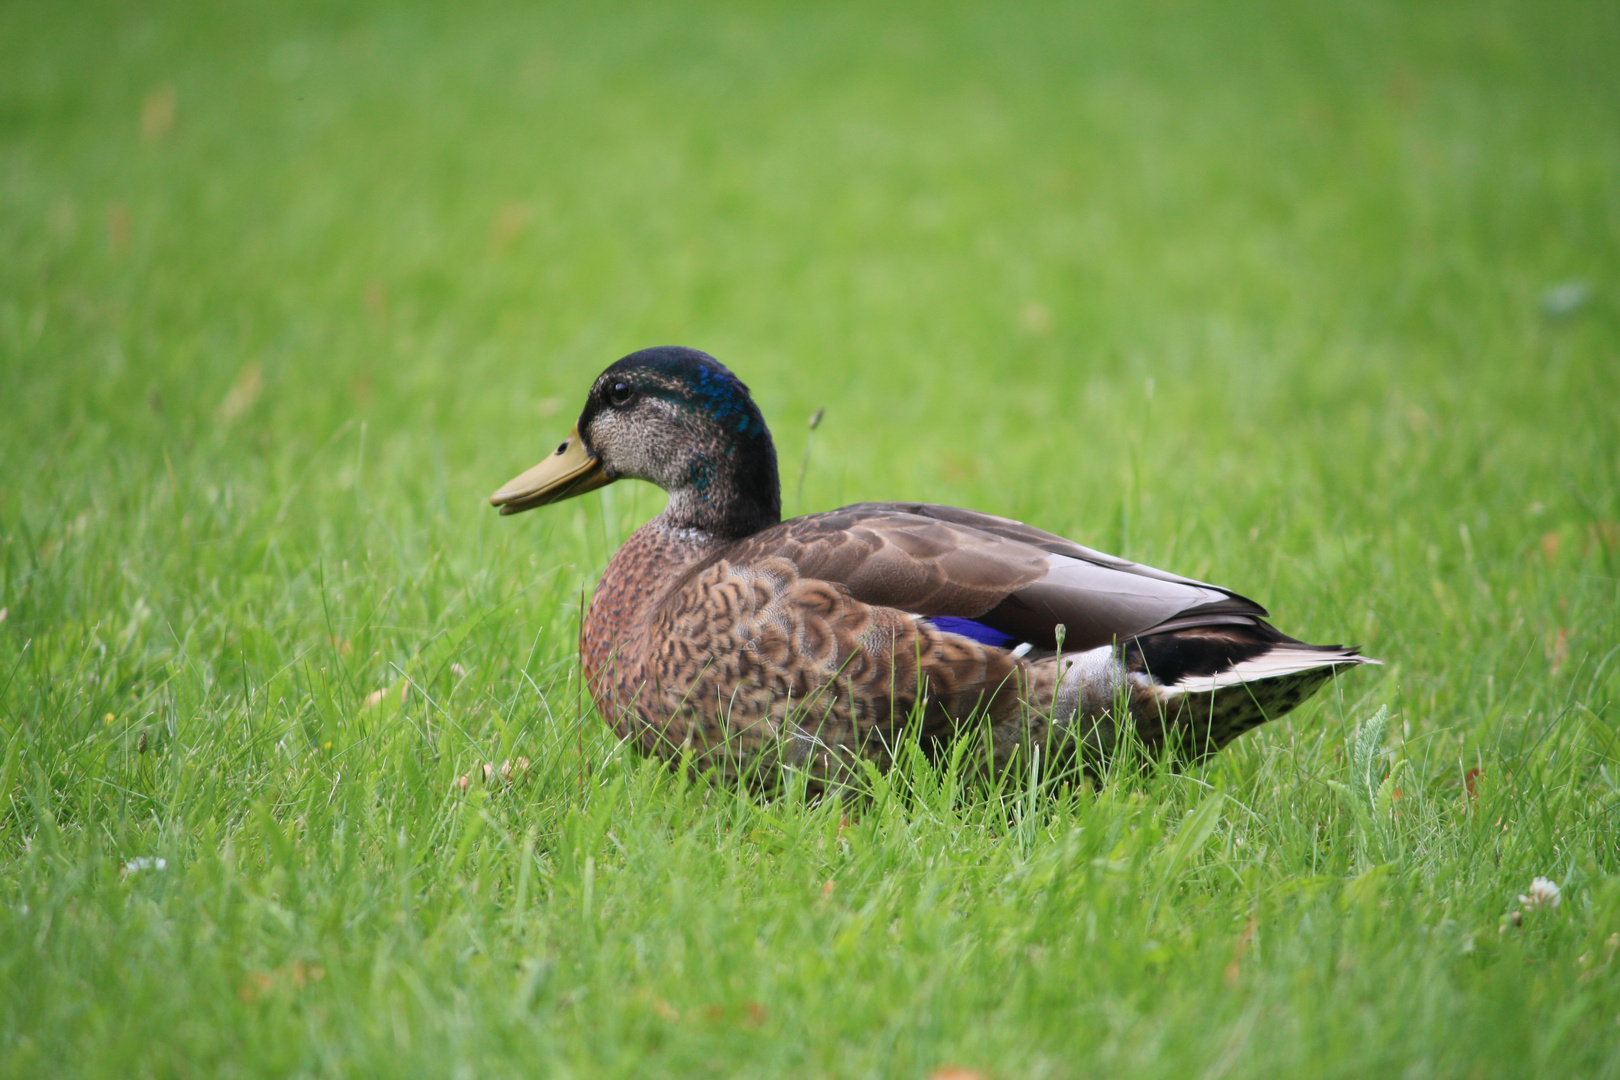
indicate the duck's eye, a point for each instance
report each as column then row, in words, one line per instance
column 619, row 394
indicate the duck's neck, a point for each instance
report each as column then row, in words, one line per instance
column 727, row 494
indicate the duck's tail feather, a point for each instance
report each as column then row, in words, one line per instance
column 1192, row 691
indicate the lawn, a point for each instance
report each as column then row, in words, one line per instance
column 1319, row 302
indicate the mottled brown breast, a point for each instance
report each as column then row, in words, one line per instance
column 759, row 659
column 614, row 635
column 736, row 652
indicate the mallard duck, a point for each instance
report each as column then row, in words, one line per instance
column 724, row 636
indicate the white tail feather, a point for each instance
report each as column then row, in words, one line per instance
column 1281, row 660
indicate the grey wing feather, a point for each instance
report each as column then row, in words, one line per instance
column 1051, row 543
column 942, row 560
column 1097, row 605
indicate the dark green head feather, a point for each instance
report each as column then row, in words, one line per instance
column 679, row 418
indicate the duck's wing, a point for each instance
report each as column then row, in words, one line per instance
column 943, row 561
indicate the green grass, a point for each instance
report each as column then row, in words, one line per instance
column 1253, row 291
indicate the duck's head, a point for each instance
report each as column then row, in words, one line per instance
column 678, row 418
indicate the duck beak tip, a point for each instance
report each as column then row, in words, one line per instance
column 568, row 472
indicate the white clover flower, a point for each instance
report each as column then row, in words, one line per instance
column 1544, row 892
column 145, row 862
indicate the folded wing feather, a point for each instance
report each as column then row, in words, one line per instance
column 942, row 560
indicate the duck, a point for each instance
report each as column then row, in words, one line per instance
column 726, row 639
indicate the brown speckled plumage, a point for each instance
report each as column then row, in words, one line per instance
column 686, row 644
column 749, row 644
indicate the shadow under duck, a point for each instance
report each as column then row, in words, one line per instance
column 752, row 643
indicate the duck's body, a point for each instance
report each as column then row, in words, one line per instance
column 751, row 643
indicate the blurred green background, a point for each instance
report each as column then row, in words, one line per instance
column 1314, row 301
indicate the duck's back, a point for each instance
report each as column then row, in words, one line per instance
column 935, row 561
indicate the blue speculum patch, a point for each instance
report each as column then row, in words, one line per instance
column 978, row 631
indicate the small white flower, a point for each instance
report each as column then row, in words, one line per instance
column 1543, row 893
column 145, row 862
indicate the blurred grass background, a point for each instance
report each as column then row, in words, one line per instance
column 1318, row 302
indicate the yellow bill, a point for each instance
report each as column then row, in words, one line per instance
column 568, row 472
